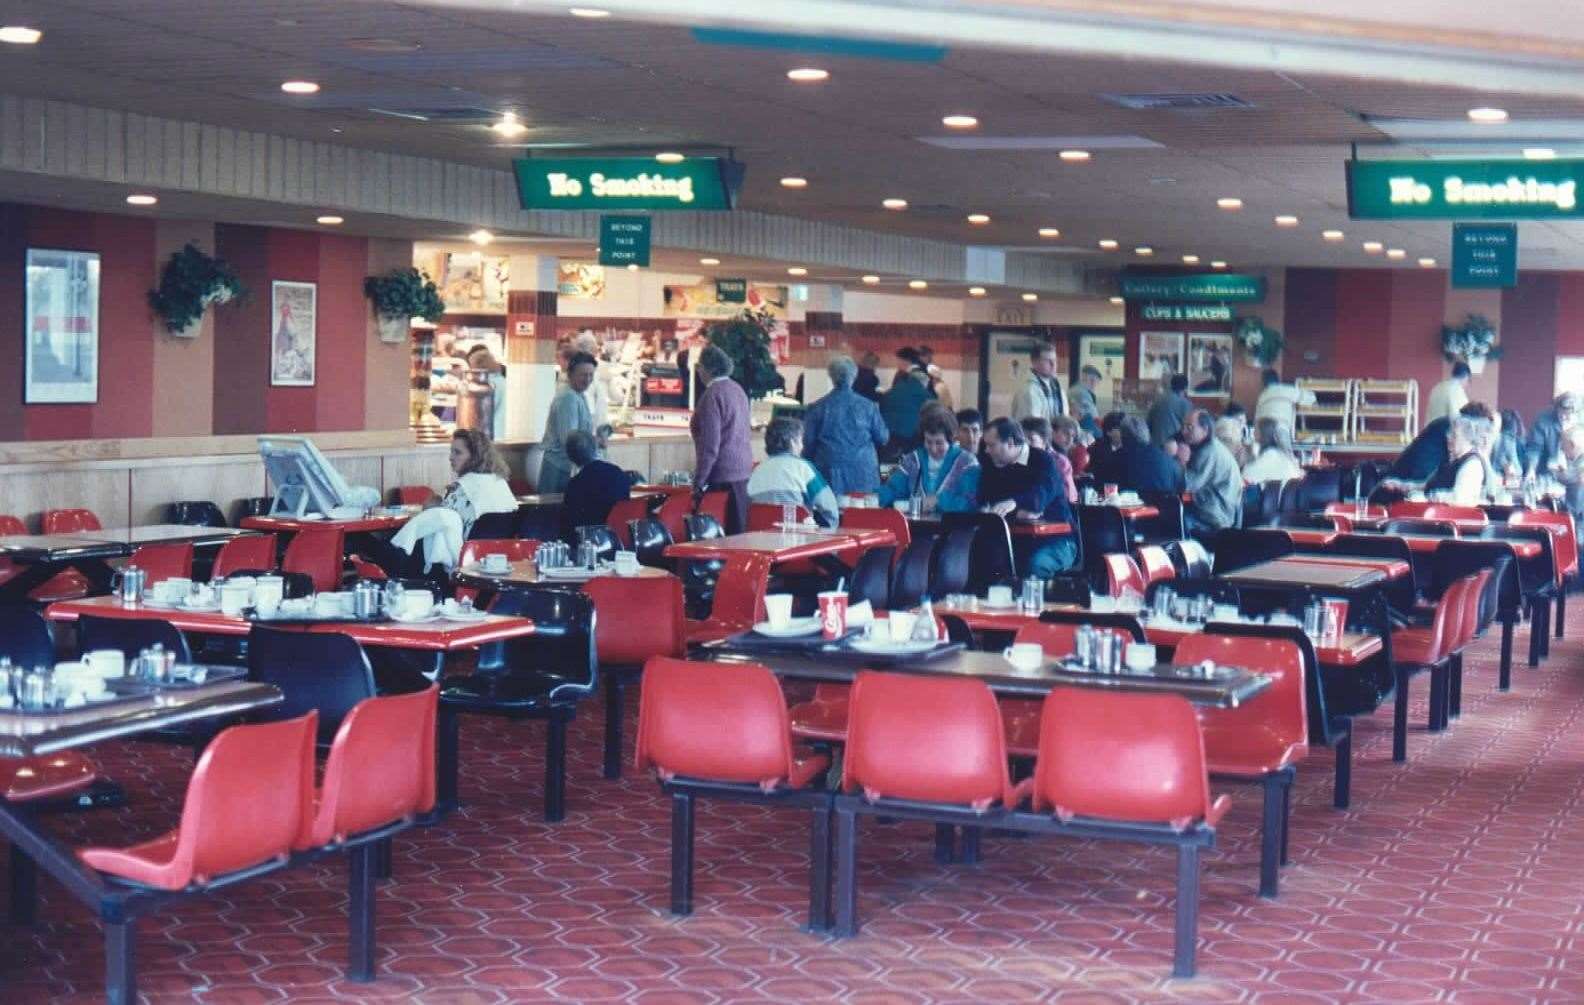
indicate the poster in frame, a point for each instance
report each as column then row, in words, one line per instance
column 1210, row 365
column 1105, row 353
column 1160, row 355
column 61, row 355
column 293, row 335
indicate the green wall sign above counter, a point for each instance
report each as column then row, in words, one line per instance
column 1212, row 286
column 627, row 183
column 731, row 291
column 1464, row 189
column 1185, row 312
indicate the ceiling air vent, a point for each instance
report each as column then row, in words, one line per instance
column 461, row 116
column 1156, row 102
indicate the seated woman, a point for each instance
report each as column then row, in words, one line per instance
column 785, row 477
column 940, row 470
column 1275, row 461
column 480, row 487
column 1461, row 480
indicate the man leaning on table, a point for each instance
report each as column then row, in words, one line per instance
column 1020, row 482
column 1212, row 477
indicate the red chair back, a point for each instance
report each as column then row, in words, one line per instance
column 1133, row 757
column 627, row 509
column 931, row 739
column 1280, row 711
column 11, row 525
column 1154, row 563
column 877, row 518
column 1404, row 508
column 1122, row 574
column 1447, row 511
column 1471, row 606
column 252, row 551
column 1446, row 622
column 1058, row 639
column 740, row 590
column 64, row 521
column 381, row 768
column 704, row 720
column 765, row 516
column 516, row 549
column 362, row 568
column 713, row 504
column 637, row 617
column 1350, row 510
column 414, row 495
column 164, row 561
column 1341, row 523
column 317, row 554
column 1565, row 539
column 674, row 512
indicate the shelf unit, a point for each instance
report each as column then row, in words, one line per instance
column 1385, row 411
column 1330, row 418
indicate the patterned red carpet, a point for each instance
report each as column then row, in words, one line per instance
column 1455, row 878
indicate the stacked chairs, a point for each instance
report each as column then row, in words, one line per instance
column 642, row 618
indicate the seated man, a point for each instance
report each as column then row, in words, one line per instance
column 597, row 486
column 1140, row 466
column 1021, row 482
column 1212, row 476
column 785, row 477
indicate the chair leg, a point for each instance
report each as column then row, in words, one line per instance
column 1400, row 718
column 1286, row 818
column 681, row 853
column 1187, row 934
column 448, row 740
column 970, row 845
column 1454, row 706
column 24, row 888
column 846, row 872
column 382, row 859
column 1544, row 629
column 945, row 844
column 1504, row 678
column 555, row 767
column 1270, row 836
column 1534, row 634
column 1561, row 610
column 120, row 962
column 820, row 869
column 613, row 726
column 1342, row 787
column 361, row 867
column 1438, row 689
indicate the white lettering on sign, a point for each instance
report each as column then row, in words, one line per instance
column 1407, row 190
column 1527, row 191
column 563, row 186
column 644, row 186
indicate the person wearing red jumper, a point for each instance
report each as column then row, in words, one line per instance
column 722, row 451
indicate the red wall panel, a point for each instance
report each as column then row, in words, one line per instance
column 1363, row 312
column 293, row 256
column 1529, row 342
column 343, row 333
column 1418, row 309
column 241, row 362
column 1309, row 323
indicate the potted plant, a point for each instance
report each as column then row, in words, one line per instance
column 746, row 339
column 190, row 281
column 1262, row 343
column 1473, row 341
column 399, row 296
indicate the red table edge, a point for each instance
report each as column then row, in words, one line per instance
column 831, row 544
column 290, row 524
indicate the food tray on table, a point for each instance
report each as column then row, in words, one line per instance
column 106, row 700
column 137, row 687
column 840, row 649
column 252, row 614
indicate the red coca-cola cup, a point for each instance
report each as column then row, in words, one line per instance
column 1110, row 490
column 1335, row 621
column 833, row 614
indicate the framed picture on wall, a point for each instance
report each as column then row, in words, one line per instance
column 1160, row 355
column 61, row 364
column 293, row 337
column 1106, row 354
column 1210, row 365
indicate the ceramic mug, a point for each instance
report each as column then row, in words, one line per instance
column 106, row 663
column 778, row 609
column 999, row 596
column 234, row 597
column 496, row 562
column 1025, row 655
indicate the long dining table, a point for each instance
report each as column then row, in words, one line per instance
column 784, row 545
column 89, row 552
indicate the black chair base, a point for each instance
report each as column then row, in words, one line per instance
column 1275, row 812
column 448, row 751
column 616, row 681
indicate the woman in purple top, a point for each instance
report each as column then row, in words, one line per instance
column 723, row 453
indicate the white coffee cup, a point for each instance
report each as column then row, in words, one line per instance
column 417, row 604
column 496, row 561
column 1025, row 655
column 1102, row 604
column 1140, row 655
column 626, row 563
column 268, row 592
column 202, row 595
column 106, row 663
column 234, row 597
column 1224, row 612
column 778, row 609
column 999, row 596
column 266, row 604
column 901, row 625
column 170, row 591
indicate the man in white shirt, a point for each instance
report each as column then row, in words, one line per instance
column 1280, row 401
column 1042, row 396
column 1449, row 396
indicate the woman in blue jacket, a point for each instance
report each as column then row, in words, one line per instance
column 841, row 432
column 946, row 475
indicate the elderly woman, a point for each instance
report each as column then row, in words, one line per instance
column 841, row 432
column 1461, row 480
column 940, row 470
column 1275, row 460
column 784, row 477
column 1231, row 428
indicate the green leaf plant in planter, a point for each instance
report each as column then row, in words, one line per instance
column 1262, row 343
column 189, row 283
column 399, row 296
column 1473, row 342
column 746, row 339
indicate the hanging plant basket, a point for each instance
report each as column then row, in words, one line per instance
column 1473, row 342
column 1262, row 344
column 399, row 296
column 190, row 281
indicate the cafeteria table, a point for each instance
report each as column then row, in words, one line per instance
column 527, row 573
column 44, row 556
column 383, row 520
column 933, row 523
column 783, row 545
column 1319, row 572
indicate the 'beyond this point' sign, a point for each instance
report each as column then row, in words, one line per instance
column 1484, row 254
column 624, row 240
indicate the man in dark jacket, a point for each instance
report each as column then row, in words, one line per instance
column 1022, row 483
column 1140, row 466
column 597, row 486
column 1545, row 436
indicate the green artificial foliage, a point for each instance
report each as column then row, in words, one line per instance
column 189, row 283
column 746, row 339
column 1259, row 341
column 405, row 293
column 1475, row 338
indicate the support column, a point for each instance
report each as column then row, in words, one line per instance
column 531, row 362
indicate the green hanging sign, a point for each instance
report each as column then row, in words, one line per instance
column 731, row 291
column 1464, row 189
column 627, row 183
column 1209, row 286
column 624, row 240
column 1484, row 254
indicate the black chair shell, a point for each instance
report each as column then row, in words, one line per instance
column 131, row 637
column 911, row 579
column 871, row 578
column 990, row 557
column 323, row 671
column 195, row 513
column 495, row 527
column 650, row 539
column 25, row 638
column 603, row 538
column 1238, row 548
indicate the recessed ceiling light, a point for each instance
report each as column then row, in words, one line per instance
column 17, row 34
column 509, row 125
column 894, row 203
column 300, row 87
column 1031, row 297
column 1108, row 244
column 481, row 237
column 632, row 266
column 1373, row 247
column 1074, row 156
column 1218, row 264
column 797, row 270
column 669, row 157
column 871, row 280
column 1117, row 300
column 1396, row 253
column 917, row 284
column 1286, row 220
column 588, row 12
column 386, row 45
column 794, row 182
column 808, row 74
column 1487, row 115
column 1190, row 259
column 976, row 291
column 978, row 219
column 1539, row 153
column 1428, row 263
column 140, row 199
column 709, row 261
column 1143, row 251
column 330, row 220
column 959, row 122
column 1049, row 232
column 1229, row 202
column 1332, row 235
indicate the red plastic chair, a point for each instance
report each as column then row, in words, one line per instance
column 317, row 554
column 362, row 568
column 713, row 504
column 1418, row 648
column 765, row 516
column 414, row 495
column 1344, row 524
column 516, row 549
column 11, row 526
column 628, row 509
column 706, row 732
column 1404, row 508
column 1263, row 740
column 674, row 512
column 637, row 618
column 164, row 561
column 67, row 585
column 1565, row 537
column 381, row 770
column 1350, row 510
column 51, row 776
column 1122, row 574
column 1469, row 627
column 65, row 521
column 739, row 599
column 255, row 552
column 1447, row 511
column 1021, row 716
column 1154, row 563
column 877, row 518
column 1132, row 760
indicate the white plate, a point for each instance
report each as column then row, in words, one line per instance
column 424, row 620
column 795, row 628
column 457, row 614
column 1011, row 605
column 888, row 647
column 196, row 608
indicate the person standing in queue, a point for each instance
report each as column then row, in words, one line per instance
column 1212, row 476
column 1085, row 403
column 867, row 383
column 842, row 431
column 569, row 411
column 1020, row 482
column 1042, row 396
column 723, row 454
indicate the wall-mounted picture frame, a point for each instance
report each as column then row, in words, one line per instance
column 1160, row 355
column 1210, row 365
column 61, row 364
column 293, row 333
